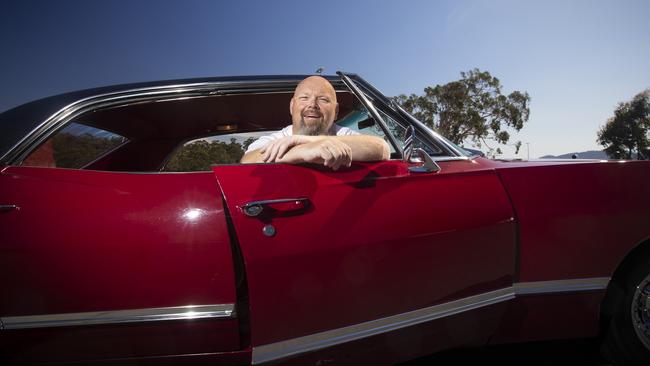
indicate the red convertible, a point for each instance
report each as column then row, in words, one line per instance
column 132, row 235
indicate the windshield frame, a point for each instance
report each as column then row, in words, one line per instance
column 396, row 112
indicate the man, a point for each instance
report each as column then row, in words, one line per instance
column 312, row 137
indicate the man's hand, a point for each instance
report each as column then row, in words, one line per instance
column 331, row 152
column 275, row 150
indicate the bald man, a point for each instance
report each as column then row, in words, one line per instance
column 312, row 137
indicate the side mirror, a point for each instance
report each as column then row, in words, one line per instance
column 417, row 155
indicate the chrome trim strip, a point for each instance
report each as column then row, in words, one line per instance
column 189, row 312
column 575, row 285
column 5, row 208
column 329, row 338
column 313, row 342
column 451, row 158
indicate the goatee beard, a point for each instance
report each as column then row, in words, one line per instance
column 313, row 130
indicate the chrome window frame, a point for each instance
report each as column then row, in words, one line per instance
column 57, row 120
column 425, row 133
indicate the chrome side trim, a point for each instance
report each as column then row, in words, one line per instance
column 575, row 285
column 313, row 342
column 329, row 338
column 451, row 158
column 121, row 316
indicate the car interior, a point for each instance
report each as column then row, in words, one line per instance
column 146, row 135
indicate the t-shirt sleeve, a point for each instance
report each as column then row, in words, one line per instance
column 264, row 140
column 259, row 143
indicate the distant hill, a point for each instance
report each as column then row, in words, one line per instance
column 591, row 154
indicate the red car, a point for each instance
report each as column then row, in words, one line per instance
column 131, row 234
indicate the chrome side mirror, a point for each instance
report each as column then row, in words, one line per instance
column 417, row 155
column 428, row 165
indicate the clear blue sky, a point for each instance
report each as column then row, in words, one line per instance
column 576, row 59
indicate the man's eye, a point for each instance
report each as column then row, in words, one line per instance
column 324, row 100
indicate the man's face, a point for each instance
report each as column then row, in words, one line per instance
column 313, row 107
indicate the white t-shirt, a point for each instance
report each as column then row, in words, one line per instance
column 288, row 131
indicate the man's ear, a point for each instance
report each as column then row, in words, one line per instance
column 291, row 107
column 336, row 113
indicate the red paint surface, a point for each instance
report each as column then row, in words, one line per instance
column 578, row 220
column 89, row 343
column 377, row 241
column 91, row 241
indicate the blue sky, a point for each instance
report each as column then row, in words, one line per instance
column 576, row 59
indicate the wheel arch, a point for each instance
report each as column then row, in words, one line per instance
column 616, row 283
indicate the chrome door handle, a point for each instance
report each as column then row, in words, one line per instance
column 282, row 207
column 6, row 208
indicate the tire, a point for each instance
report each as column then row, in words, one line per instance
column 627, row 338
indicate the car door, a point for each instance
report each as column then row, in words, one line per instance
column 98, row 265
column 334, row 256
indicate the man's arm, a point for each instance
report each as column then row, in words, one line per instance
column 253, row 156
column 269, row 152
column 332, row 151
column 366, row 147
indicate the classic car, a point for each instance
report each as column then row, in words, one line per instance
column 131, row 234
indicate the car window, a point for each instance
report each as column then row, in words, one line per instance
column 201, row 154
column 170, row 135
column 181, row 135
column 361, row 121
column 399, row 131
column 74, row 147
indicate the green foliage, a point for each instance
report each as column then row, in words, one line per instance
column 201, row 154
column 471, row 109
column 247, row 143
column 626, row 134
column 75, row 151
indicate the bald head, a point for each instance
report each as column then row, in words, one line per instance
column 313, row 107
column 316, row 82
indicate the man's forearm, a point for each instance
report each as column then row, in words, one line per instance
column 366, row 147
column 359, row 147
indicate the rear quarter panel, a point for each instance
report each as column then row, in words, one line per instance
column 577, row 220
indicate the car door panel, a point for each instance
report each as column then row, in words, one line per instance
column 374, row 241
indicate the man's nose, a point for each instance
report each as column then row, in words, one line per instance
column 313, row 102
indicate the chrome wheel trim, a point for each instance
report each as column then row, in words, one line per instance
column 641, row 311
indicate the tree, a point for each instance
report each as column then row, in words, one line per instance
column 201, row 154
column 625, row 135
column 471, row 109
column 75, row 151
